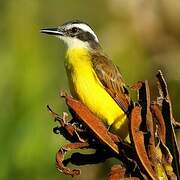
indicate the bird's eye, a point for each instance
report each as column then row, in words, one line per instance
column 74, row 30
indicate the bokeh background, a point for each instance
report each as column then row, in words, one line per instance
column 140, row 36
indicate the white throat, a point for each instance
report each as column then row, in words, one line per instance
column 73, row 42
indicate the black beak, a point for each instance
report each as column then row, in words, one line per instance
column 52, row 31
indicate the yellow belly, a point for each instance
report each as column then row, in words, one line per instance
column 86, row 87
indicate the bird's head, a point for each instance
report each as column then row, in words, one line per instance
column 75, row 34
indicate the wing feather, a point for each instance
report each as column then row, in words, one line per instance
column 110, row 77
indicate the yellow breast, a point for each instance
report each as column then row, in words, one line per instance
column 86, row 87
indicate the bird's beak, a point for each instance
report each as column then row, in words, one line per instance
column 52, row 31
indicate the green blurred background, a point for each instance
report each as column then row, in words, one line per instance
column 140, row 36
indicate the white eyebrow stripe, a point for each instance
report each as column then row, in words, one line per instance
column 84, row 27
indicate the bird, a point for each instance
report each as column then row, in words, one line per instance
column 93, row 78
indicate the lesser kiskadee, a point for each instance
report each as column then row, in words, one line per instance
column 93, row 78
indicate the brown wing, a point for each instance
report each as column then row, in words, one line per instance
column 111, row 79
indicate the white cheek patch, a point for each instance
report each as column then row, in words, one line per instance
column 74, row 42
column 84, row 27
